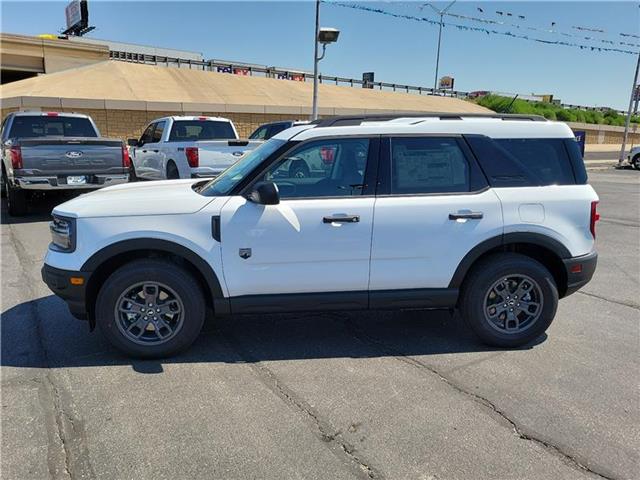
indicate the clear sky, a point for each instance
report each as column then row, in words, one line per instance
column 401, row 51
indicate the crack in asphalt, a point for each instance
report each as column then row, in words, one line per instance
column 65, row 431
column 401, row 357
column 326, row 432
column 617, row 302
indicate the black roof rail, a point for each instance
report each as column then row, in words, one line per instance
column 346, row 120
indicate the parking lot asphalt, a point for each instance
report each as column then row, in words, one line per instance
column 316, row 396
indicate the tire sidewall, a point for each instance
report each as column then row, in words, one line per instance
column 172, row 167
column 167, row 273
column 483, row 278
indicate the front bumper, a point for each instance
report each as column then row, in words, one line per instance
column 579, row 270
column 59, row 282
column 59, row 182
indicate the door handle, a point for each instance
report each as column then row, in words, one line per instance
column 156, row 151
column 342, row 219
column 144, row 151
column 466, row 216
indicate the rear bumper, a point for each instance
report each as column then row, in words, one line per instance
column 59, row 282
column 60, row 182
column 579, row 270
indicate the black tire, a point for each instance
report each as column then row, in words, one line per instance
column 635, row 162
column 299, row 169
column 133, row 177
column 172, row 171
column 477, row 288
column 5, row 185
column 16, row 201
column 163, row 272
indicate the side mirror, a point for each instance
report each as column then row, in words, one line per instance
column 265, row 193
column 132, row 142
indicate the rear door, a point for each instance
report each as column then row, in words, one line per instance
column 433, row 206
column 312, row 250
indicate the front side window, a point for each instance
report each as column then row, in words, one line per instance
column 322, row 168
column 424, row 165
column 195, row 130
column 260, row 133
column 51, row 126
column 157, row 133
column 147, row 136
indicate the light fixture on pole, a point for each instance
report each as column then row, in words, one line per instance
column 323, row 36
column 441, row 13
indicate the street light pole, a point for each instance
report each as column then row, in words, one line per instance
column 628, row 119
column 441, row 13
column 314, row 104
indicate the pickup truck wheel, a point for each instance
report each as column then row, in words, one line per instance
column 4, row 186
column 16, row 201
column 150, row 309
column 509, row 299
column 172, row 171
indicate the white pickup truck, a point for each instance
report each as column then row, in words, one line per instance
column 186, row 147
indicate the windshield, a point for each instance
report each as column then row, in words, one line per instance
column 227, row 180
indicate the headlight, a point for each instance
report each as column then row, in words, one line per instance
column 63, row 234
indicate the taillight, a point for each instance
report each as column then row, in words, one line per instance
column 192, row 156
column 126, row 160
column 52, row 114
column 15, row 153
column 202, row 119
column 595, row 216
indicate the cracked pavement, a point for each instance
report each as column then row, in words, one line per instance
column 365, row 395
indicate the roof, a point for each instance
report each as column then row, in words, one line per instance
column 490, row 126
column 122, row 85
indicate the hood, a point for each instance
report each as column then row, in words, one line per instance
column 165, row 197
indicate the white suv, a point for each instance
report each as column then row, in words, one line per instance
column 489, row 214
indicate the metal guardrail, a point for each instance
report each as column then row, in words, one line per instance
column 273, row 72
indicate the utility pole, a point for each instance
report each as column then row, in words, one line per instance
column 314, row 104
column 628, row 119
column 441, row 13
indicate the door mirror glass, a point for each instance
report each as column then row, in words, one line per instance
column 265, row 193
column 132, row 142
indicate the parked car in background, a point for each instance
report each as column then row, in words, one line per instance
column 268, row 130
column 46, row 151
column 634, row 157
column 490, row 214
column 186, row 147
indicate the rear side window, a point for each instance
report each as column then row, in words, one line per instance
column 428, row 165
column 51, row 126
column 518, row 162
column 276, row 129
column 195, row 130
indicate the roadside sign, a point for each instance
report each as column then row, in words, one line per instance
column 446, row 83
column 367, row 79
column 580, row 138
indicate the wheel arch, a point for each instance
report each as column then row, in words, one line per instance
column 542, row 248
column 105, row 261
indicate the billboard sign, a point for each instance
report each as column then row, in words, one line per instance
column 73, row 13
column 367, row 79
column 446, row 83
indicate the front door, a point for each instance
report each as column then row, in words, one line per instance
column 295, row 255
column 433, row 207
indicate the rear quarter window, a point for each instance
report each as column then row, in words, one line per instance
column 517, row 162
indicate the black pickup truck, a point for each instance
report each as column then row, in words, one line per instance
column 46, row 151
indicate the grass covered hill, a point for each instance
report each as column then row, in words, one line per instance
column 501, row 104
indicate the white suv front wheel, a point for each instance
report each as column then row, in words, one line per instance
column 509, row 299
column 150, row 308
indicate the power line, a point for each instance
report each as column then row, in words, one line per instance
column 487, row 31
